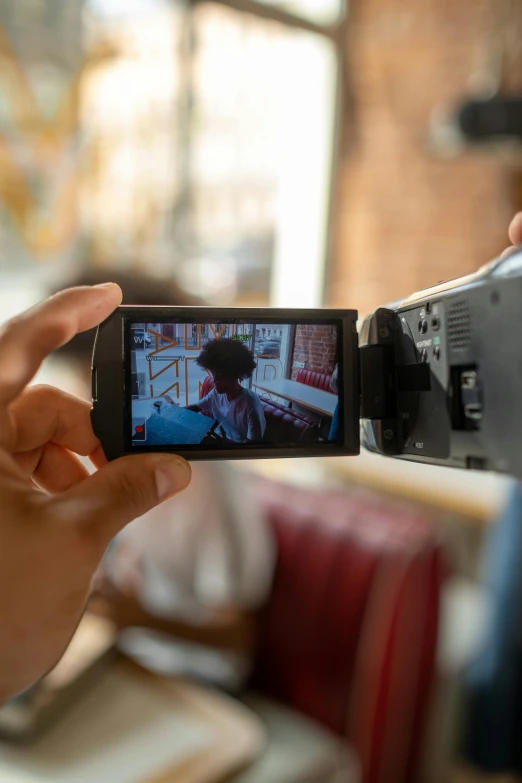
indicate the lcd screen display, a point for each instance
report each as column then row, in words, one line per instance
column 234, row 384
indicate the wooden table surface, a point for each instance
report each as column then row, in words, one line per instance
column 476, row 496
column 317, row 400
column 135, row 727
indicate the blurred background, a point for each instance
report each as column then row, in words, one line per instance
column 299, row 153
column 122, row 143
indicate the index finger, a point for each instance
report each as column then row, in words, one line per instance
column 43, row 414
column 26, row 340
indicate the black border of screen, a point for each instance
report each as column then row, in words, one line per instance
column 111, row 415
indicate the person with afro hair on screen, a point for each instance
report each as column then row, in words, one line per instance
column 238, row 410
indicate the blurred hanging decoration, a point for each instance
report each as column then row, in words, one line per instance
column 39, row 129
column 490, row 115
column 81, row 87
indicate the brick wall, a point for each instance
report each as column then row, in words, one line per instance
column 316, row 346
column 407, row 217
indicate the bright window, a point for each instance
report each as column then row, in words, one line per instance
column 193, row 142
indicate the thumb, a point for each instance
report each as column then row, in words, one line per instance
column 125, row 489
column 515, row 229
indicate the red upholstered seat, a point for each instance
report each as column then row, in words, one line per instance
column 318, row 379
column 206, row 386
column 283, row 424
column 349, row 633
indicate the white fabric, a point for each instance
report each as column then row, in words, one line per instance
column 242, row 419
column 205, row 548
column 298, row 750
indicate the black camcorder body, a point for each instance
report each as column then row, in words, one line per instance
column 434, row 378
column 441, row 373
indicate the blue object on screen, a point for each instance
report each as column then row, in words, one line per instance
column 177, row 425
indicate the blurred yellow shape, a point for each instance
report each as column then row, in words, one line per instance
column 43, row 234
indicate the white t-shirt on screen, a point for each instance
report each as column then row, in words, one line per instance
column 242, row 419
column 207, row 547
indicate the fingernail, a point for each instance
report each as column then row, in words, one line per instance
column 172, row 475
column 104, row 285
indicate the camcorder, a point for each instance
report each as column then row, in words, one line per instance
column 434, row 378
